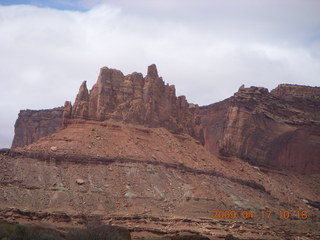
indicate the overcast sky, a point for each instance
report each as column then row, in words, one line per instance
column 207, row 48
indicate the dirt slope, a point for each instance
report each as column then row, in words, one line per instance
column 152, row 181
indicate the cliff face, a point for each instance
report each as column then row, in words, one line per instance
column 134, row 99
column 279, row 129
column 32, row 125
column 291, row 92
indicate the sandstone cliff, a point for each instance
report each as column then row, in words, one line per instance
column 279, row 129
column 133, row 99
column 32, row 125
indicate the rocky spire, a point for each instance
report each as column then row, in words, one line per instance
column 136, row 99
column 81, row 105
column 152, row 71
column 83, row 94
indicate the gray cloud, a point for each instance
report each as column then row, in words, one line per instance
column 206, row 48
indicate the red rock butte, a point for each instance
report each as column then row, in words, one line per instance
column 135, row 99
column 278, row 129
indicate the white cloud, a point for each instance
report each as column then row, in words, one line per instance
column 206, row 49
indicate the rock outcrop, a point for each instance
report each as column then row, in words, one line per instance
column 133, row 99
column 292, row 92
column 32, row 125
column 279, row 129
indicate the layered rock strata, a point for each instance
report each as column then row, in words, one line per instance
column 133, row 99
column 32, row 125
column 279, row 129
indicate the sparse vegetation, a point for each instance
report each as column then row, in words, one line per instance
column 189, row 237
column 13, row 231
column 102, row 232
column 180, row 237
column 231, row 237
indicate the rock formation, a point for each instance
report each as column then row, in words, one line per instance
column 154, row 178
column 279, row 129
column 32, row 125
column 133, row 99
column 292, row 92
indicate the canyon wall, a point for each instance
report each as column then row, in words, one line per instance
column 280, row 129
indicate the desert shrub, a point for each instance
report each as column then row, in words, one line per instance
column 103, row 232
column 33, row 233
column 180, row 237
column 157, row 238
column 189, row 237
column 6, row 229
column 13, row 231
column 231, row 237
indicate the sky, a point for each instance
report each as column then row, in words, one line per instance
column 206, row 48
